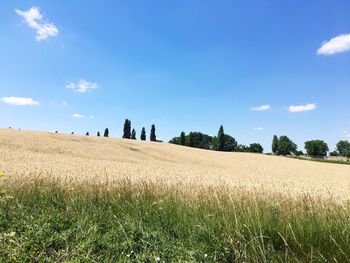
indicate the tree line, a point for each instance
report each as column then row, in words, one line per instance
column 224, row 142
column 316, row 148
column 221, row 142
column 129, row 133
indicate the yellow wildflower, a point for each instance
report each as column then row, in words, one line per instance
column 2, row 174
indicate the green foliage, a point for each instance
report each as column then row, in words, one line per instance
column 343, row 148
column 204, row 141
column 133, row 134
column 191, row 140
column 334, row 153
column 153, row 136
column 256, row 148
column 285, row 146
column 230, row 143
column 298, row 153
column 274, row 144
column 322, row 160
column 143, row 134
column 98, row 134
column 51, row 224
column 127, row 129
column 182, row 138
column 106, row 133
column 316, row 148
column 221, row 139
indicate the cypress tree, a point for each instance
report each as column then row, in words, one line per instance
column 143, row 134
column 153, row 137
column 127, row 129
column 221, row 139
column 133, row 134
column 87, row 134
column 182, row 138
column 98, row 134
column 274, row 144
column 106, row 134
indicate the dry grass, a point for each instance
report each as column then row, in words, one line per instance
column 107, row 161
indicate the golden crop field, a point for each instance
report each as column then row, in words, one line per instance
column 97, row 160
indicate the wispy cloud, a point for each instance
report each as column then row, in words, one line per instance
column 77, row 115
column 261, row 108
column 64, row 103
column 302, row 108
column 19, row 101
column 82, row 86
column 258, row 129
column 92, row 117
column 34, row 19
column 335, row 45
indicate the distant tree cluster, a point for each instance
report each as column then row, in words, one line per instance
column 283, row 145
column 221, row 142
column 314, row 148
column 342, row 149
column 129, row 133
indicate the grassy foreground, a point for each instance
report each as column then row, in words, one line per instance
column 43, row 222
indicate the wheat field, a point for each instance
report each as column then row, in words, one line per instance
column 106, row 161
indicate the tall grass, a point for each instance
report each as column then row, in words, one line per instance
column 42, row 221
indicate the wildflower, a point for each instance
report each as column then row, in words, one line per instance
column 2, row 174
column 157, row 258
column 205, row 255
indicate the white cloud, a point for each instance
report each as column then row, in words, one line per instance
column 302, row 108
column 261, row 108
column 19, row 101
column 64, row 103
column 92, row 117
column 77, row 115
column 258, row 129
column 33, row 19
column 337, row 44
column 82, row 86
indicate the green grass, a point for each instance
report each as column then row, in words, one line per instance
column 322, row 160
column 46, row 223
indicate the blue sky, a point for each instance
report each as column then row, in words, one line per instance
column 258, row 67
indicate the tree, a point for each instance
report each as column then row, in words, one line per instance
column 230, row 143
column 153, row 136
column 256, row 148
column 316, row 148
column 221, row 139
column 285, row 146
column 274, row 144
column 133, row 134
column 143, row 134
column 182, row 138
column 127, row 129
column 343, row 148
column 191, row 139
column 98, row 134
column 87, row 134
column 106, row 134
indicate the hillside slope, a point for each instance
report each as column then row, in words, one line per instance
column 74, row 158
